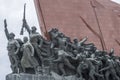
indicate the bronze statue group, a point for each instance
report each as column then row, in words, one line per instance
column 36, row 55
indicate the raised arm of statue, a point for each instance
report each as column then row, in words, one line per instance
column 111, row 52
column 41, row 40
column 82, row 41
column 6, row 30
column 25, row 25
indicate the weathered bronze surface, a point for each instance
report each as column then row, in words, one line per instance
column 36, row 58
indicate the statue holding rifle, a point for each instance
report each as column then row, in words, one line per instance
column 13, row 49
column 22, row 29
column 35, row 39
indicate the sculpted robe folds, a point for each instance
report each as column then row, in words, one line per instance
column 28, row 60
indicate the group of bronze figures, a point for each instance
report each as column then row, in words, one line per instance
column 35, row 54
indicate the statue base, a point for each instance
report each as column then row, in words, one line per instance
column 24, row 76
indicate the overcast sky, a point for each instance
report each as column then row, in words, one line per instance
column 118, row 1
column 12, row 10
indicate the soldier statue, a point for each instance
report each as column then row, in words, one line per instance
column 61, row 55
column 37, row 42
column 13, row 49
column 28, row 60
column 63, row 61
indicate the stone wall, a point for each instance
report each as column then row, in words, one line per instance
column 24, row 76
column 28, row 77
column 65, row 15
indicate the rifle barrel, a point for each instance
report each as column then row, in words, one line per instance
column 21, row 32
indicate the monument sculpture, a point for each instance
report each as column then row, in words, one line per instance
column 13, row 49
column 68, row 58
column 59, row 58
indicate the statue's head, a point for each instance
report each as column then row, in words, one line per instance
column 25, row 39
column 11, row 35
column 75, row 40
column 55, row 29
column 34, row 29
column 107, row 57
column 56, row 50
column 61, row 35
column 75, row 51
column 68, row 39
column 83, row 57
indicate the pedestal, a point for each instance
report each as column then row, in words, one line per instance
column 23, row 76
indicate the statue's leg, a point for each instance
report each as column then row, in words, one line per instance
column 38, row 70
column 99, row 76
column 118, row 72
column 107, row 75
column 91, row 75
column 113, row 73
column 12, row 67
column 69, row 64
column 61, row 67
column 79, row 71
column 22, row 65
column 12, row 61
column 23, row 69
column 96, row 68
column 36, row 66
column 38, row 53
column 16, row 63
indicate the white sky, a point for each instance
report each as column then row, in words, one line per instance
column 12, row 10
column 118, row 1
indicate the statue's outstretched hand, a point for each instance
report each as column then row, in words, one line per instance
column 5, row 23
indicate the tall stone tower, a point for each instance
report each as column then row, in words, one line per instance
column 99, row 20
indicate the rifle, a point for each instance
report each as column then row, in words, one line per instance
column 23, row 25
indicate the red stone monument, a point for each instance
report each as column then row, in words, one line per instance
column 99, row 20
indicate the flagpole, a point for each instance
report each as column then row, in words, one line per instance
column 101, row 38
column 43, row 19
